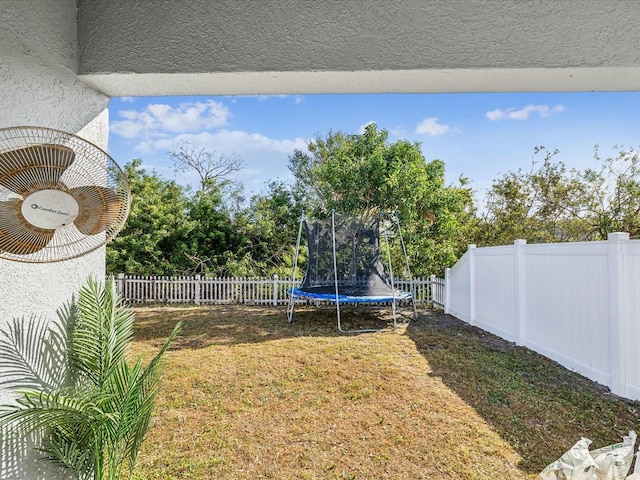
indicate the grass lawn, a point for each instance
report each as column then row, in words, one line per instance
column 245, row 395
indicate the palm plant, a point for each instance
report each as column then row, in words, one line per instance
column 76, row 386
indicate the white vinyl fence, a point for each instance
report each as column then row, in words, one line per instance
column 253, row 291
column 576, row 303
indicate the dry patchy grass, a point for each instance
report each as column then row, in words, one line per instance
column 245, row 395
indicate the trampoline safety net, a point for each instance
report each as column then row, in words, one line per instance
column 358, row 267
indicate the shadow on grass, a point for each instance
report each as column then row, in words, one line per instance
column 539, row 407
column 204, row 326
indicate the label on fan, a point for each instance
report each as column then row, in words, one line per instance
column 50, row 209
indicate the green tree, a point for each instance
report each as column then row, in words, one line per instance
column 153, row 241
column 272, row 221
column 611, row 194
column 552, row 204
column 214, row 235
column 173, row 231
column 362, row 173
column 540, row 205
column 75, row 385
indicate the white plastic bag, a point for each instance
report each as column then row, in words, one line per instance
column 606, row 463
column 636, row 471
column 576, row 464
column 615, row 460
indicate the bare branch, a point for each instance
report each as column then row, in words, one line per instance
column 210, row 165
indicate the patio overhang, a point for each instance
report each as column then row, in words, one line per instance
column 380, row 81
column 199, row 47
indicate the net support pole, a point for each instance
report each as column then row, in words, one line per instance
column 393, row 286
column 335, row 266
column 292, row 299
column 412, row 285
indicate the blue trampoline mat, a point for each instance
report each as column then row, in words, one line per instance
column 343, row 298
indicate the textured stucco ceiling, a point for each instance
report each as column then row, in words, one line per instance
column 159, row 47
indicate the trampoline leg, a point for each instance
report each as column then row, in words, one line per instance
column 393, row 308
column 338, row 315
column 290, row 307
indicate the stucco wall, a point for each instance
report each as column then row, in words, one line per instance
column 38, row 86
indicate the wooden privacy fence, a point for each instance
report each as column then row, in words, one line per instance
column 253, row 291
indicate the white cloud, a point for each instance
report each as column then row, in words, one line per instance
column 263, row 158
column 127, row 128
column 523, row 113
column 225, row 141
column 152, row 132
column 399, row 132
column 362, row 127
column 430, row 126
column 127, row 99
column 158, row 120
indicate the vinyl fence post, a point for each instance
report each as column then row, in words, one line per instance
column 617, row 328
column 432, row 282
column 519, row 294
column 472, row 286
column 275, row 290
column 196, row 290
column 447, row 287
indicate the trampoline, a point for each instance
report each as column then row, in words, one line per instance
column 344, row 265
column 349, row 295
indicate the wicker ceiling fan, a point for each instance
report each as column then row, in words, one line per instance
column 60, row 196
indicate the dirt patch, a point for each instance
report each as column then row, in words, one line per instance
column 437, row 319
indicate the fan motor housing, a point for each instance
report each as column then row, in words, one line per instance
column 50, row 209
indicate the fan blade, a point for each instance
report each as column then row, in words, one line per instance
column 99, row 208
column 17, row 236
column 37, row 167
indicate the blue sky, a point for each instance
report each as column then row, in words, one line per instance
column 480, row 136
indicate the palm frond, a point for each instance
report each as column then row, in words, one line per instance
column 31, row 355
column 63, row 335
column 134, row 390
column 75, row 456
column 104, row 330
column 34, row 410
